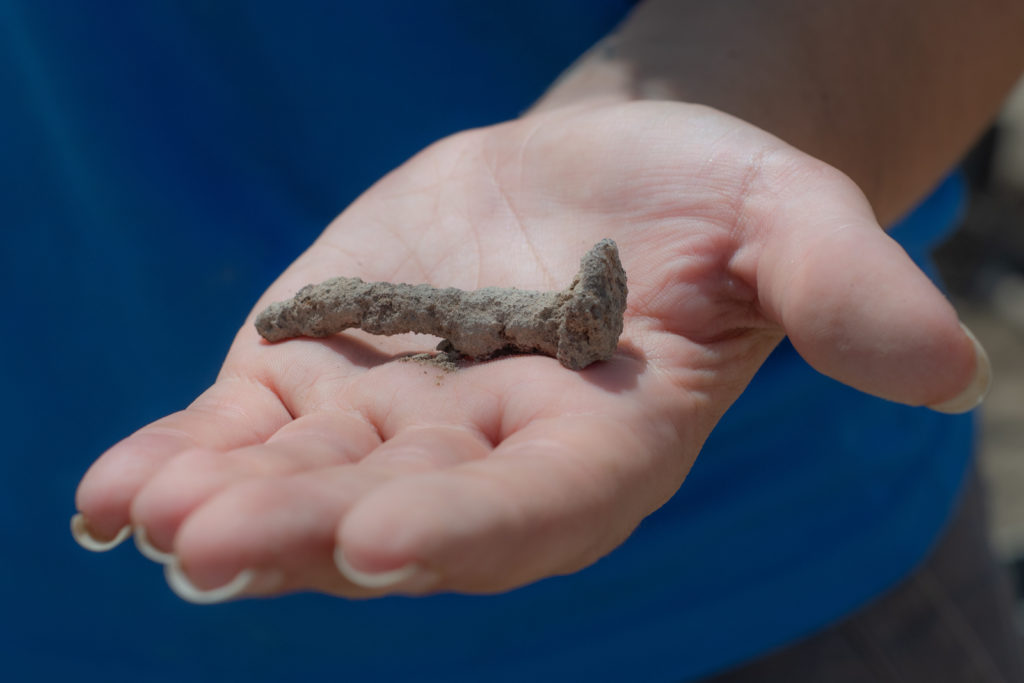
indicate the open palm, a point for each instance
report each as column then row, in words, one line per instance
column 310, row 456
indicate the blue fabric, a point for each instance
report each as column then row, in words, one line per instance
column 162, row 162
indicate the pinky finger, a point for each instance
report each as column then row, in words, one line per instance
column 232, row 413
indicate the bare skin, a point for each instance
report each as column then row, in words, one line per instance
column 315, row 455
column 891, row 93
column 517, row 469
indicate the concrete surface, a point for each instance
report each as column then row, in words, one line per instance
column 1002, row 444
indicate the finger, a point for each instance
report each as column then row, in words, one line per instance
column 858, row 309
column 191, row 478
column 281, row 530
column 551, row 499
column 232, row 413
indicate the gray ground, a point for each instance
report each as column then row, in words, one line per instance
column 1002, row 417
column 983, row 264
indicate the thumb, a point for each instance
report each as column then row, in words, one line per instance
column 858, row 309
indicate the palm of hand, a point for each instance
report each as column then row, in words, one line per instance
column 308, row 454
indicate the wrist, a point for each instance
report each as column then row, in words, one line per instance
column 595, row 79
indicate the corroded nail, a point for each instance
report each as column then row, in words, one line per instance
column 578, row 326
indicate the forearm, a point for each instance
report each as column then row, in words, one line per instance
column 892, row 93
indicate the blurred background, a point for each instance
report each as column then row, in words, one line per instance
column 983, row 266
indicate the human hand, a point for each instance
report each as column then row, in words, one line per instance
column 314, row 455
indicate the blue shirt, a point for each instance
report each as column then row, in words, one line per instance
column 163, row 162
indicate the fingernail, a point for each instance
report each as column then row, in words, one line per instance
column 975, row 392
column 80, row 532
column 186, row 590
column 149, row 550
column 411, row 576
